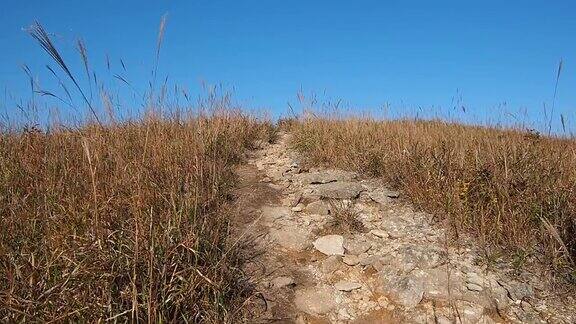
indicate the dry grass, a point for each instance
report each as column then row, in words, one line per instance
column 511, row 189
column 117, row 219
column 123, row 222
column 344, row 218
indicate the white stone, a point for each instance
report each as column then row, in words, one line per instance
column 280, row 282
column 330, row 244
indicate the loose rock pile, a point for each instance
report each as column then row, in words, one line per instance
column 399, row 269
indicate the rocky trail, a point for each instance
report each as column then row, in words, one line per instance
column 338, row 249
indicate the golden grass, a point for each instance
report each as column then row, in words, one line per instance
column 123, row 222
column 510, row 189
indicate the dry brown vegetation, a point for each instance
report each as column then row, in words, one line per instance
column 122, row 219
column 344, row 219
column 123, row 222
column 511, row 189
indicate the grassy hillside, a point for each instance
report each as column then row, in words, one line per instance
column 123, row 222
column 513, row 190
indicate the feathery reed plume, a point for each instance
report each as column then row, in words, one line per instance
column 554, row 97
column 159, row 40
column 81, row 46
column 39, row 34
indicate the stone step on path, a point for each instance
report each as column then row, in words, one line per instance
column 398, row 269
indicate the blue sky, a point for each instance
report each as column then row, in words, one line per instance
column 495, row 56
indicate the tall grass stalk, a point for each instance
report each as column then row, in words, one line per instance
column 39, row 34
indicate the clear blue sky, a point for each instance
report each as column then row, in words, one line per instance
column 406, row 53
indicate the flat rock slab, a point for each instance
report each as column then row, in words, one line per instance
column 357, row 247
column 339, row 190
column 383, row 196
column 407, row 291
column 433, row 284
column 440, row 283
column 272, row 213
column 291, row 237
column 474, row 282
column 330, row 244
column 317, row 207
column 519, row 291
column 326, row 176
column 315, row 301
column 422, row 257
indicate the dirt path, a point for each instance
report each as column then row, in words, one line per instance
column 336, row 249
